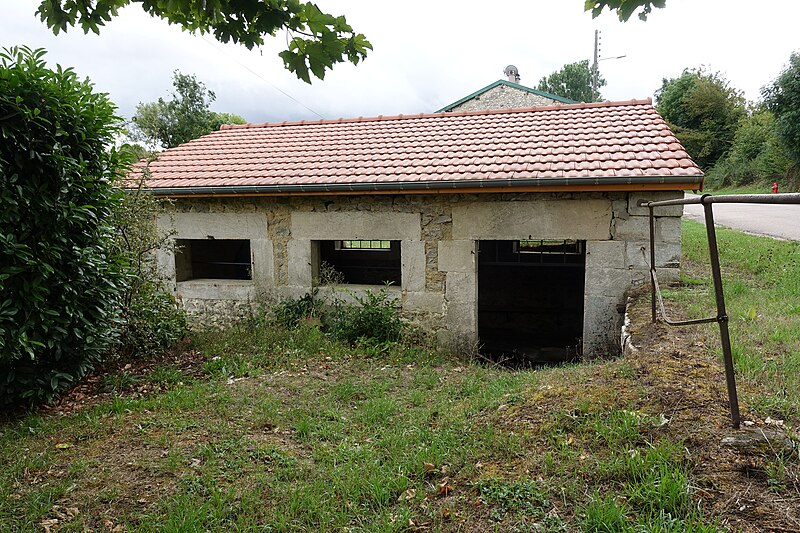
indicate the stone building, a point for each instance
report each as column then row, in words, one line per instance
column 505, row 94
column 518, row 228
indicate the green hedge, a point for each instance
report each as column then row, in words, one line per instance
column 59, row 288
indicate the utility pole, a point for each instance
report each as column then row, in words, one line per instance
column 594, row 65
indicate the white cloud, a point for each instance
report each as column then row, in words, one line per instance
column 427, row 54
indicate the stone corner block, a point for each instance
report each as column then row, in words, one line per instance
column 456, row 256
column 300, row 270
column 605, row 254
column 637, row 255
column 655, row 196
column 637, row 228
column 423, row 302
column 412, row 268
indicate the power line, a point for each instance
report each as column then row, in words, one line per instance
column 262, row 78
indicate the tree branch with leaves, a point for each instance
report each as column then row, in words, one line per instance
column 318, row 40
column 624, row 8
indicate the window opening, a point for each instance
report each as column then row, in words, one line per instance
column 364, row 245
column 213, row 259
column 360, row 261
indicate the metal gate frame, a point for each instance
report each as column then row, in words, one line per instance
column 721, row 318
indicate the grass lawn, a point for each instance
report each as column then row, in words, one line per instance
column 259, row 428
column 753, row 188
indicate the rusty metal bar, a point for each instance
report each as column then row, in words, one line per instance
column 653, row 282
column 655, row 292
column 722, row 314
column 782, row 198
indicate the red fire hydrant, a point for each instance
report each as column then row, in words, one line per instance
column 775, row 188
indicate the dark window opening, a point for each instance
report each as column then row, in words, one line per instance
column 530, row 300
column 362, row 262
column 212, row 259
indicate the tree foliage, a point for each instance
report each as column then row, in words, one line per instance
column 782, row 97
column 624, row 8
column 317, row 40
column 59, row 289
column 573, row 81
column 186, row 116
column 703, row 111
column 756, row 155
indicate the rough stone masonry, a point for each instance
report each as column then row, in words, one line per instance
column 438, row 236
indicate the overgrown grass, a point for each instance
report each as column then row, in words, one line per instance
column 761, row 279
column 291, row 430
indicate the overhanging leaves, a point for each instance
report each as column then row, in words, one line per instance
column 329, row 39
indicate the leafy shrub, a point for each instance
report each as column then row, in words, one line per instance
column 374, row 319
column 59, row 288
column 152, row 323
column 290, row 313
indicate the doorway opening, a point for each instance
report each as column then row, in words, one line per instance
column 530, row 300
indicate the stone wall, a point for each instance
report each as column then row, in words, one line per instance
column 504, row 97
column 438, row 236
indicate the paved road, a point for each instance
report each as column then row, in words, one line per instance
column 777, row 220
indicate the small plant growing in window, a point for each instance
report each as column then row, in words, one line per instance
column 290, row 313
column 375, row 319
column 329, row 275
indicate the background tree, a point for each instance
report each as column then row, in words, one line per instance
column 756, row 154
column 703, row 111
column 573, row 81
column 782, row 97
column 186, row 116
column 59, row 288
column 317, row 40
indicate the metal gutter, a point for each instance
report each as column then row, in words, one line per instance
column 592, row 183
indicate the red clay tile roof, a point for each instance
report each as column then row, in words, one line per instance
column 582, row 146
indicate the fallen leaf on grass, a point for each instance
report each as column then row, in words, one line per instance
column 49, row 523
column 407, row 495
column 429, row 467
column 63, row 446
column 444, row 488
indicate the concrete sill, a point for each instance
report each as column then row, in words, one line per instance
column 348, row 292
column 217, row 289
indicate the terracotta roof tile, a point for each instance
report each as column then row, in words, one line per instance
column 611, row 139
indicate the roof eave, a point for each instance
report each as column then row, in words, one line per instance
column 580, row 184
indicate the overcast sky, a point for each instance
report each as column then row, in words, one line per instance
column 426, row 54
